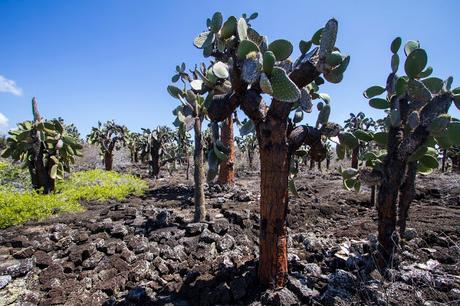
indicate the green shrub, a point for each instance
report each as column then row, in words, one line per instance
column 94, row 185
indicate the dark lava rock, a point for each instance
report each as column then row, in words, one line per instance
column 119, row 231
column 16, row 268
column 193, row 229
column 24, row 253
column 220, row 226
column 42, row 259
column 238, row 288
column 5, row 280
column 225, row 243
column 282, row 297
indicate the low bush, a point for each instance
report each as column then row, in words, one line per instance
column 18, row 206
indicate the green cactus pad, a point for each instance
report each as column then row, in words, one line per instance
column 401, row 86
column 426, row 73
column 457, row 101
column 379, row 103
column 242, row 28
column 349, row 173
column 175, row 92
column 203, row 40
column 229, row 28
column 334, row 58
column 443, row 142
column 220, row 70
column 265, row 84
column 211, row 77
column 396, row 44
column 429, row 161
column 363, row 135
column 439, row 125
column 340, row 151
column 410, row 46
column 417, row 91
column 395, row 63
column 245, row 47
column 283, row 88
column 269, row 62
column 349, row 140
column 373, row 91
column 304, row 46
column 323, row 116
column 449, row 83
column 418, row 154
column 421, row 169
column 433, row 84
column 281, row 48
column 415, row 62
column 344, row 65
column 316, row 38
column 333, row 77
column 328, row 38
column 381, row 138
column 453, row 132
column 216, row 22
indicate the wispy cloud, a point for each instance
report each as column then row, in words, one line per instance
column 3, row 123
column 9, row 86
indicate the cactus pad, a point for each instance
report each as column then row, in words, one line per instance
column 281, row 48
column 415, row 62
column 283, row 88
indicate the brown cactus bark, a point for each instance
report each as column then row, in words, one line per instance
column 274, row 170
column 198, row 175
column 407, row 195
column 354, row 158
column 108, row 160
column 226, row 169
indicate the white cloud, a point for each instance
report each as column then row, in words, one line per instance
column 9, row 86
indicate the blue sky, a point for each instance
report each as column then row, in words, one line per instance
column 91, row 60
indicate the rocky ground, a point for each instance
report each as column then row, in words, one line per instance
column 146, row 251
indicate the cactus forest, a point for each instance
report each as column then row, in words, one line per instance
column 263, row 160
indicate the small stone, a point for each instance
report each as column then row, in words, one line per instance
column 209, row 237
column 220, row 226
column 5, row 280
column 16, row 268
column 225, row 243
column 119, row 231
column 193, row 229
column 42, row 259
column 410, row 234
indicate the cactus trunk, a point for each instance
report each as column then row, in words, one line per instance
column 198, row 175
column 354, row 158
column 373, row 192
column 319, row 167
column 226, row 170
column 328, row 163
column 274, row 169
column 407, row 194
column 108, row 160
column 444, row 158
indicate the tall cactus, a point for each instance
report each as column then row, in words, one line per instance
column 244, row 67
column 417, row 119
column 45, row 147
column 109, row 136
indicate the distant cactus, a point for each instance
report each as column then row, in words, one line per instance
column 133, row 142
column 109, row 137
column 244, row 66
column 45, row 147
column 155, row 145
column 417, row 119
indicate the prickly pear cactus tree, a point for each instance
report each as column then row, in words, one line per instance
column 226, row 167
column 133, row 142
column 109, row 137
column 417, row 106
column 45, row 147
column 245, row 67
column 357, row 131
column 195, row 95
column 156, row 146
column 248, row 145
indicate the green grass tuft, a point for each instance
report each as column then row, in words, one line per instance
column 17, row 207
